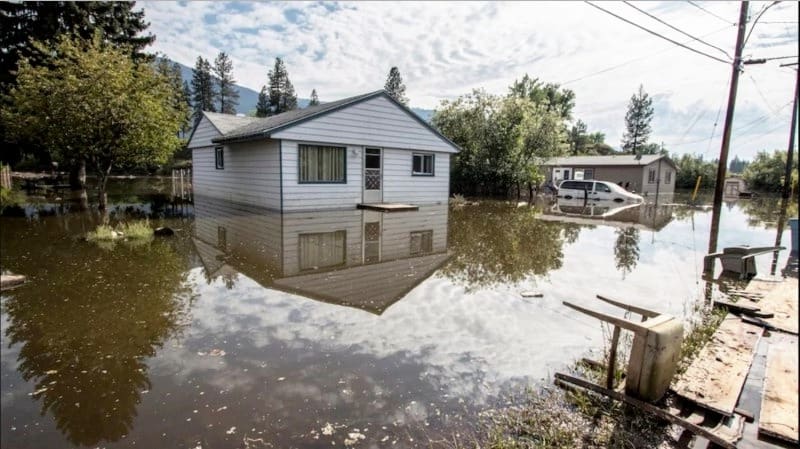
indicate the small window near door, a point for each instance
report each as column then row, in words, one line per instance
column 588, row 173
column 219, row 158
column 668, row 177
column 421, row 242
column 651, row 176
column 422, row 164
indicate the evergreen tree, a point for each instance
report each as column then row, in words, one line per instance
column 226, row 93
column 24, row 22
column 203, row 88
column 172, row 76
column 187, row 100
column 637, row 122
column 262, row 107
column 314, row 98
column 577, row 138
column 395, row 87
column 289, row 98
column 282, row 97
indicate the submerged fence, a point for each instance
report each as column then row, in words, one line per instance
column 182, row 183
column 5, row 176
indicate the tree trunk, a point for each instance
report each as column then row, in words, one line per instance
column 530, row 192
column 83, row 200
column 519, row 192
column 77, row 175
column 102, row 198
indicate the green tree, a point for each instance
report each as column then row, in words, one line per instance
column 91, row 102
column 552, row 96
column 737, row 165
column 767, row 170
column 171, row 72
column 577, row 138
column 226, row 92
column 22, row 23
column 203, row 92
column 395, row 87
column 314, row 98
column 262, row 107
column 282, row 97
column 691, row 167
column 637, row 122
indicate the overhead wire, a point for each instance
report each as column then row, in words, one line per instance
column 657, row 34
column 711, row 13
column 725, row 52
column 630, row 61
column 753, row 26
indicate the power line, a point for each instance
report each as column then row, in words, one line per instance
column 761, row 13
column 637, row 59
column 761, row 94
column 711, row 13
column 677, row 29
column 656, row 34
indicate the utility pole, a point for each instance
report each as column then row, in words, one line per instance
column 726, row 133
column 787, row 180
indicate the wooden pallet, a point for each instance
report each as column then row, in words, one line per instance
column 779, row 403
column 715, row 378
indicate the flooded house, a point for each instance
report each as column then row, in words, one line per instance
column 735, row 187
column 645, row 174
column 363, row 150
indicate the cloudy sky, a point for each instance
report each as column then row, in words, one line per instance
column 446, row 49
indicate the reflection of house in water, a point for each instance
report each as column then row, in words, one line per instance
column 642, row 216
column 357, row 258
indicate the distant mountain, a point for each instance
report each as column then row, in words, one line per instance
column 248, row 97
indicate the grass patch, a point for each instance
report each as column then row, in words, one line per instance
column 138, row 230
column 699, row 336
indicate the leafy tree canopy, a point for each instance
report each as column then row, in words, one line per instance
column 91, row 102
column 550, row 95
column 767, row 171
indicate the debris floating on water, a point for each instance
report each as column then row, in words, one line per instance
column 532, row 294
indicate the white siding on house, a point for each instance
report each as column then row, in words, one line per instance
column 297, row 197
column 375, row 122
column 649, row 188
column 399, row 186
column 203, row 134
column 251, row 174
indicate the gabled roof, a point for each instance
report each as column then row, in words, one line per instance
column 261, row 128
column 622, row 159
column 226, row 123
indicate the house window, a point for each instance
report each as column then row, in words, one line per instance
column 651, row 176
column 668, row 178
column 422, row 164
column 219, row 158
column 322, row 164
column 588, row 173
column 322, row 250
column 421, row 242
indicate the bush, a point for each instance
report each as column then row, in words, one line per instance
column 137, row 230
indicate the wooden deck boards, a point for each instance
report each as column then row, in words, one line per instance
column 387, row 207
column 715, row 378
column 779, row 401
column 780, row 298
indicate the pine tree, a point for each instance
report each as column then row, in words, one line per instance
column 187, row 99
column 282, row 96
column 227, row 94
column 289, row 98
column 262, row 107
column 203, row 88
column 637, row 122
column 314, row 98
column 395, row 87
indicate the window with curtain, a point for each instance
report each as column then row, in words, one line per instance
column 322, row 164
column 322, row 250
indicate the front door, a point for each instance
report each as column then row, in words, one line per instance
column 373, row 175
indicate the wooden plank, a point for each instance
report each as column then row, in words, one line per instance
column 612, row 359
column 737, row 307
column 779, row 404
column 715, row 378
column 780, row 299
column 659, row 412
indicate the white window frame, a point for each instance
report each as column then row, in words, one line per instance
column 423, row 156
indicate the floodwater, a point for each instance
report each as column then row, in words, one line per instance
column 251, row 329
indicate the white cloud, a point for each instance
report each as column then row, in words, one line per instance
column 446, row 49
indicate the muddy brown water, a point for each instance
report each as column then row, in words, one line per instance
column 254, row 329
